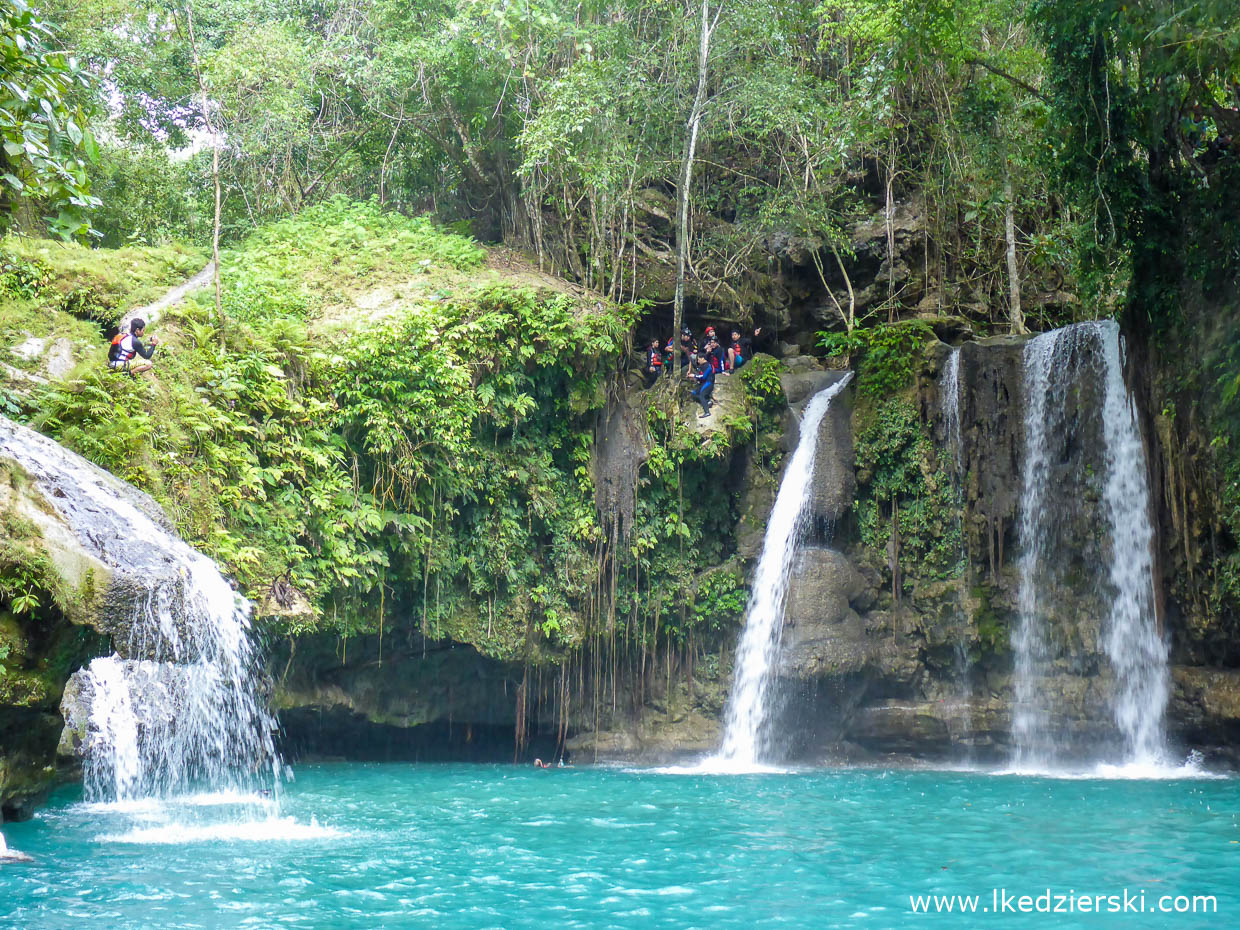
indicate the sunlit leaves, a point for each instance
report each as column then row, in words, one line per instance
column 45, row 139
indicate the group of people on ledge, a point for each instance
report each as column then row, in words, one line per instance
column 700, row 362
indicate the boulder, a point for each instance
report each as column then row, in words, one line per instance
column 823, row 634
column 1205, row 711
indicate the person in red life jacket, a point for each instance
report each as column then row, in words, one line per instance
column 712, row 349
column 654, row 363
column 128, row 346
column 714, row 354
column 740, row 350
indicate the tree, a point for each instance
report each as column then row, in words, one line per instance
column 45, row 134
column 686, row 172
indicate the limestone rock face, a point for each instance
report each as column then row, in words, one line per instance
column 1205, row 710
column 45, row 360
column 619, row 453
column 85, row 523
column 823, row 635
column 757, row 497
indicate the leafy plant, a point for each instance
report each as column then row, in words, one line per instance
column 24, row 277
column 761, row 377
column 45, row 137
column 901, row 475
column 884, row 356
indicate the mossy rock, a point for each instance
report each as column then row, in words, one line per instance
column 26, row 689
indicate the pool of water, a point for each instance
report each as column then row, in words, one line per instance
column 389, row 845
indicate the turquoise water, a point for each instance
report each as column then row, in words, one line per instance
column 445, row 846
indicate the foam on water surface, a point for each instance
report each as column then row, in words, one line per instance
column 271, row 830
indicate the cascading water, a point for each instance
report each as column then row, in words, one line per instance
column 1134, row 642
column 1029, row 715
column 1060, row 368
column 181, row 711
column 949, row 407
column 113, row 762
column 746, row 742
column 949, row 411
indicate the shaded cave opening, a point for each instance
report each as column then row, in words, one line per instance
column 338, row 734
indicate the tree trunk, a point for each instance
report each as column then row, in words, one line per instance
column 686, row 177
column 852, row 298
column 1009, row 233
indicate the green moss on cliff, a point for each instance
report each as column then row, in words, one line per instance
column 903, row 480
column 39, row 277
column 423, row 472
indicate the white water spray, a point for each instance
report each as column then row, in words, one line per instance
column 113, row 762
column 746, row 742
column 949, row 388
column 8, row 854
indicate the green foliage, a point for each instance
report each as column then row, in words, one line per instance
column 993, row 636
column 719, row 600
column 28, row 583
column 45, row 136
column 147, row 197
column 684, row 520
column 24, row 278
column 884, row 356
column 761, row 377
column 899, row 466
column 1137, row 145
column 439, row 457
column 68, row 275
column 322, row 255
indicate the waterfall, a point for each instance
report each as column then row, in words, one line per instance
column 949, row 411
column 1062, row 368
column 1029, row 715
column 949, row 408
column 178, row 708
column 1134, row 644
column 746, row 742
column 113, row 762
